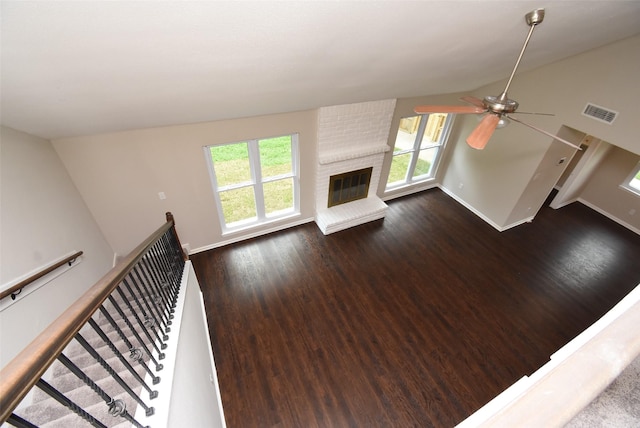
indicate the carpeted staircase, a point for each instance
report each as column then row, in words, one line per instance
column 617, row 406
column 45, row 411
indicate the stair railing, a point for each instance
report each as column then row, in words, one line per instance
column 134, row 302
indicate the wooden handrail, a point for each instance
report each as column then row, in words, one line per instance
column 11, row 290
column 19, row 376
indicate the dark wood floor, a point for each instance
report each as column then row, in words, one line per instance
column 414, row 321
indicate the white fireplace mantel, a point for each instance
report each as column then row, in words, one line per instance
column 345, row 155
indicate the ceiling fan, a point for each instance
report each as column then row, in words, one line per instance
column 498, row 108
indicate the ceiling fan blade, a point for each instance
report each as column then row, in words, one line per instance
column 548, row 134
column 480, row 136
column 448, row 109
column 473, row 100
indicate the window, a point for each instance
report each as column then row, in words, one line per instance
column 632, row 182
column 255, row 181
column 417, row 148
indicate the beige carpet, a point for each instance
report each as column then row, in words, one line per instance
column 618, row 406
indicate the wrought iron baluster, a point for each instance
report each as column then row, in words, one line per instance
column 135, row 333
column 148, row 323
column 176, row 248
column 156, row 299
column 135, row 353
column 161, row 288
column 159, row 274
column 141, row 324
column 152, row 318
column 116, row 407
column 170, row 263
column 149, row 410
column 65, row 401
column 175, row 251
column 123, row 360
column 160, row 283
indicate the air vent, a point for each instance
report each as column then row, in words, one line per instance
column 600, row 113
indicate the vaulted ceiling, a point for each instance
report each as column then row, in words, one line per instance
column 78, row 68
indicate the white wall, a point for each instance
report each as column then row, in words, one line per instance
column 42, row 218
column 603, row 188
column 195, row 396
column 119, row 176
column 492, row 181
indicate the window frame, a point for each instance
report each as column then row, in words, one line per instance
column 409, row 179
column 626, row 184
column 256, row 182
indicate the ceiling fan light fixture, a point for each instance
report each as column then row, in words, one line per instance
column 498, row 108
column 503, row 122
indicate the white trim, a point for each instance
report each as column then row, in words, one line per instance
column 626, row 184
column 417, row 148
column 352, row 154
column 256, row 182
column 475, row 211
column 609, row 216
column 409, row 189
column 214, row 373
column 256, row 234
column 629, row 189
column 572, row 378
column 517, row 223
column 564, row 204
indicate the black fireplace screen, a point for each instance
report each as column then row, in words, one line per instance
column 349, row 186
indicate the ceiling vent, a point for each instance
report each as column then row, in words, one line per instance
column 600, row 113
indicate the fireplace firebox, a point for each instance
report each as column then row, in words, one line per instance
column 349, row 186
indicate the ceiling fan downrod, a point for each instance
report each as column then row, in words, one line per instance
column 502, row 103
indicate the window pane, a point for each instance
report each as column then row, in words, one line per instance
column 433, row 130
column 231, row 164
column 399, row 166
column 425, row 160
column 275, row 156
column 238, row 204
column 278, row 196
column 635, row 181
column 406, row 137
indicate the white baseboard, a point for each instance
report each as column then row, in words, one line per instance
column 408, row 191
column 564, row 204
column 241, row 238
column 609, row 216
column 476, row 212
column 517, row 223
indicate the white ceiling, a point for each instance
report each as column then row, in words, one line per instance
column 78, row 68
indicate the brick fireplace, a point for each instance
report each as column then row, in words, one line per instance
column 351, row 137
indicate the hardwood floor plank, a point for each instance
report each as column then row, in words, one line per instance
column 415, row 320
